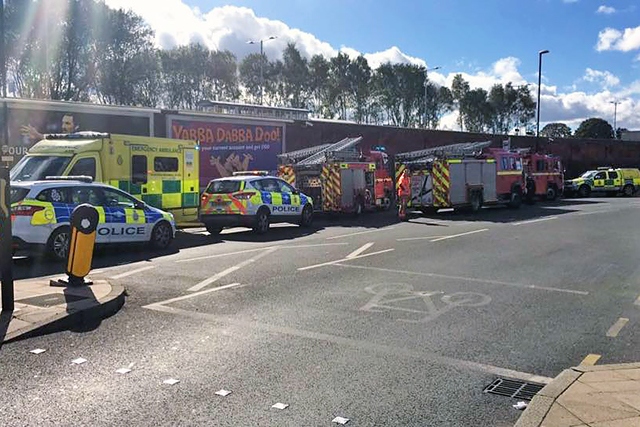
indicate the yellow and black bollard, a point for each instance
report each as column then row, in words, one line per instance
column 84, row 222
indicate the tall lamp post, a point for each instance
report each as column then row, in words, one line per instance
column 261, row 61
column 542, row 52
column 615, row 116
column 426, row 85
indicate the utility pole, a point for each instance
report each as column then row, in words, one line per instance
column 6, row 250
column 426, row 85
column 261, row 62
column 615, row 116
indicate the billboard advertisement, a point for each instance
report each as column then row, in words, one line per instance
column 230, row 147
column 29, row 125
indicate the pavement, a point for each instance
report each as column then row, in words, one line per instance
column 41, row 308
column 596, row 396
column 375, row 321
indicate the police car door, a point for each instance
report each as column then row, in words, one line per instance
column 291, row 205
column 93, row 196
column 272, row 197
column 126, row 219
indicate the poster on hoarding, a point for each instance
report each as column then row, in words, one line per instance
column 226, row 148
column 28, row 126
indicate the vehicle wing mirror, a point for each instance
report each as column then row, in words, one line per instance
column 139, row 205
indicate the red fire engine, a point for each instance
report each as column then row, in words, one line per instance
column 544, row 176
column 339, row 177
column 467, row 175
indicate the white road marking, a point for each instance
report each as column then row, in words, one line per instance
column 360, row 232
column 408, row 239
column 595, row 212
column 193, row 295
column 230, row 270
column 313, row 246
column 615, row 329
column 453, row 236
column 132, row 272
column 246, row 251
column 360, row 250
column 344, row 259
column 359, row 345
column 637, row 301
column 466, row 279
column 533, row 221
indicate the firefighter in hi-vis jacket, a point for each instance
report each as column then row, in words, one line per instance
column 404, row 191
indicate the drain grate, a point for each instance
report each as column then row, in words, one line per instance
column 513, row 388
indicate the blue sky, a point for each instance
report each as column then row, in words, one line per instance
column 594, row 45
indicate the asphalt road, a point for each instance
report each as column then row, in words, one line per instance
column 380, row 322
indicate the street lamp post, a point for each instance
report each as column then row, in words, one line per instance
column 615, row 117
column 542, row 52
column 426, row 83
column 261, row 62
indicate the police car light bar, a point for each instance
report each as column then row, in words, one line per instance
column 257, row 173
column 81, row 178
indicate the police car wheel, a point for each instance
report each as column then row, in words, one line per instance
column 262, row 222
column 58, row 244
column 161, row 236
column 307, row 216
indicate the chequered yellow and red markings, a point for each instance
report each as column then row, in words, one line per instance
column 441, row 184
column 331, row 189
column 288, row 174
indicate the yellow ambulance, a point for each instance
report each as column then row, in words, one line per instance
column 162, row 172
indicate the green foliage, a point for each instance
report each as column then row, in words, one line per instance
column 594, row 128
column 556, row 130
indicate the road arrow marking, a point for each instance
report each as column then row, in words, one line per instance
column 360, row 250
column 617, row 327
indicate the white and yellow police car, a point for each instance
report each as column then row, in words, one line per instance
column 255, row 200
column 40, row 212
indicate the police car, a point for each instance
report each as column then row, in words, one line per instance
column 40, row 212
column 255, row 200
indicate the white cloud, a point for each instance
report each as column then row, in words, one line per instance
column 605, row 78
column 606, row 10
column 612, row 39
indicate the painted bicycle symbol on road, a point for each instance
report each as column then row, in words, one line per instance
column 424, row 306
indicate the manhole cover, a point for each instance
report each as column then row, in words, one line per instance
column 49, row 300
column 513, row 388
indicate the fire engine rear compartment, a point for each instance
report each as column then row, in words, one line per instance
column 472, row 174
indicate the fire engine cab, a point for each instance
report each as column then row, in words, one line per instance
column 338, row 177
column 544, row 176
column 462, row 176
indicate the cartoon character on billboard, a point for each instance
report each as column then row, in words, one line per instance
column 231, row 164
column 67, row 126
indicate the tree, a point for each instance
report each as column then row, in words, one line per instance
column 439, row 103
column 222, row 72
column 477, row 110
column 459, row 89
column 250, row 74
column 386, row 89
column 360, row 78
column 340, row 87
column 504, row 107
column 318, row 85
column 594, row 128
column 556, row 130
column 619, row 132
column 187, row 75
column 295, row 75
column 525, row 107
column 125, row 45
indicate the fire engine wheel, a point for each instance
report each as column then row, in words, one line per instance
column 58, row 244
column 262, row 221
column 552, row 193
column 475, row 201
column 516, row 198
column 628, row 190
column 584, row 191
column 307, row 216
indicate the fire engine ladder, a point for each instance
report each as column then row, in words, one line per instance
column 294, row 156
column 331, row 152
column 462, row 149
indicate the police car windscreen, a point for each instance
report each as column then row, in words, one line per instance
column 18, row 194
column 33, row 168
column 223, row 187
